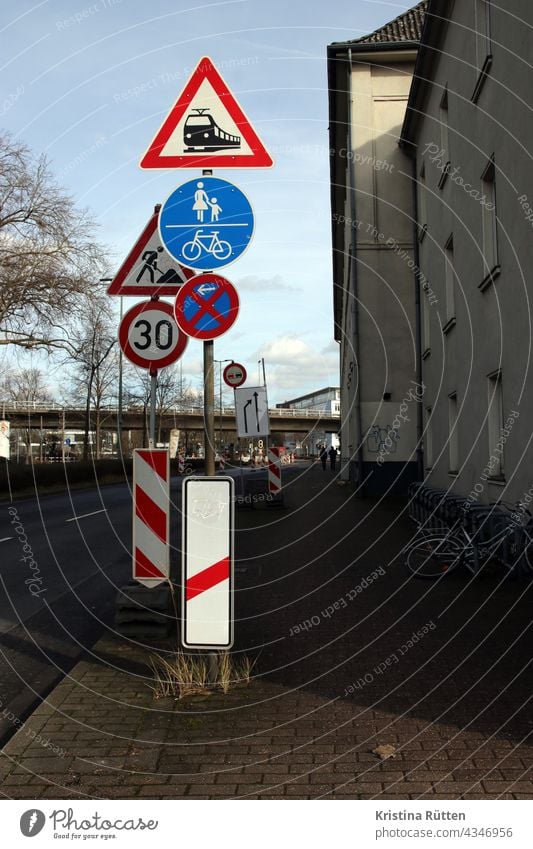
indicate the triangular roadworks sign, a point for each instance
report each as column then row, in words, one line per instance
column 206, row 128
column 149, row 269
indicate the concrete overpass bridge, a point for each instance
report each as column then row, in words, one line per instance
column 49, row 417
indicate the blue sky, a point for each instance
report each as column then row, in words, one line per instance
column 89, row 84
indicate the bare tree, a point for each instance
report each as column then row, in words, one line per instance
column 27, row 386
column 173, row 392
column 90, row 348
column 48, row 254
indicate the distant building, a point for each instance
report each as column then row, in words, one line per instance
column 327, row 400
column 324, row 400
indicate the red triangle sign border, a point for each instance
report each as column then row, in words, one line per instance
column 117, row 286
column 205, row 70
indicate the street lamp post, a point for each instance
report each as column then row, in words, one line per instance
column 119, row 409
column 220, row 394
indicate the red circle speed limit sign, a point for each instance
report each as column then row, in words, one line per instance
column 149, row 336
column 234, row 374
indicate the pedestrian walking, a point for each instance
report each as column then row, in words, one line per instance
column 324, row 457
column 332, row 457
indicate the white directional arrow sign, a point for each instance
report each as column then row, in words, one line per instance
column 206, row 289
column 251, row 410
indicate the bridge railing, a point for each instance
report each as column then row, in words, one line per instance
column 286, row 413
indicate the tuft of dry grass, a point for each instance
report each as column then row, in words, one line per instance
column 184, row 675
column 188, row 674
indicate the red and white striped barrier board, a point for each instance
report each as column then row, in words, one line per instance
column 208, row 506
column 274, row 471
column 151, row 508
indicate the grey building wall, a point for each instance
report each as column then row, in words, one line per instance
column 475, row 112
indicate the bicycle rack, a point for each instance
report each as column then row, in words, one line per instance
column 415, row 495
column 438, row 510
column 452, row 509
column 434, row 506
column 486, row 521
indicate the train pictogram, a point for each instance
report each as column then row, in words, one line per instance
column 201, row 132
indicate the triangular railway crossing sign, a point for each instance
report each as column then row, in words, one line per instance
column 206, row 128
column 149, row 269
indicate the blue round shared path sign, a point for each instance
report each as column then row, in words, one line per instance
column 206, row 223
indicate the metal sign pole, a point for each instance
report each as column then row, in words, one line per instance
column 264, row 384
column 120, row 371
column 153, row 394
column 209, row 408
column 209, row 393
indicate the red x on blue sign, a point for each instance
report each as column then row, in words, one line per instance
column 206, row 306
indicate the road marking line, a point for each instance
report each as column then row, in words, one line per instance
column 5, row 539
column 75, row 518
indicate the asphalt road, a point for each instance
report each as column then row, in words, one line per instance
column 62, row 559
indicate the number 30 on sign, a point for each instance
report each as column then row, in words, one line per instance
column 149, row 336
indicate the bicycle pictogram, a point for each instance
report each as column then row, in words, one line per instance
column 206, row 223
column 207, row 244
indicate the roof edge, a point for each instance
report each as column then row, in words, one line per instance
column 435, row 26
column 407, row 26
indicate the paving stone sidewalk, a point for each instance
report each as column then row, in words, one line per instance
column 351, row 655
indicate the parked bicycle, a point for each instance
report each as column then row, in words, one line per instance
column 433, row 553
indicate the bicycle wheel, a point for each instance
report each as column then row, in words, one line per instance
column 191, row 251
column 222, row 250
column 433, row 558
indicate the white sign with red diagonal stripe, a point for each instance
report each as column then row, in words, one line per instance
column 151, row 508
column 208, row 505
column 274, row 471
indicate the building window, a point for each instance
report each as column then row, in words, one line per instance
column 495, row 422
column 453, row 437
column 491, row 267
column 426, row 343
column 483, row 44
column 444, row 138
column 449, row 272
column 482, row 24
column 422, row 203
column 429, row 440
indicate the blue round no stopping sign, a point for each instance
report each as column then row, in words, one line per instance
column 206, row 223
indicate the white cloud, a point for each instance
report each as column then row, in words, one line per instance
column 295, row 368
column 257, row 283
column 331, row 348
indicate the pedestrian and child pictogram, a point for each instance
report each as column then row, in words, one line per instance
column 207, row 306
column 151, row 510
column 206, row 223
column 149, row 269
column 206, row 128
